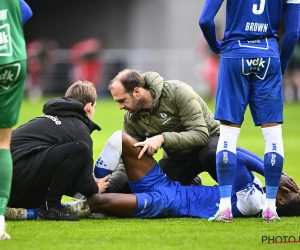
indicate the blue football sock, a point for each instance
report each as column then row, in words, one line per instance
column 273, row 169
column 226, row 166
column 273, row 159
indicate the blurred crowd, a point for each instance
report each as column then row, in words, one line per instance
column 84, row 61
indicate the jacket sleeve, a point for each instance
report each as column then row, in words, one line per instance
column 207, row 24
column 189, row 110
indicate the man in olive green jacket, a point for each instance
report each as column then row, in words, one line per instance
column 170, row 115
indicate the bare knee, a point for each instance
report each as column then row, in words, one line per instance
column 128, row 145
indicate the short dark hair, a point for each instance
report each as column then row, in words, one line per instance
column 130, row 79
column 290, row 208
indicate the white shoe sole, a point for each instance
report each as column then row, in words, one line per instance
column 5, row 236
column 78, row 208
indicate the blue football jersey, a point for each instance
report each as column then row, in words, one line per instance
column 254, row 19
column 250, row 25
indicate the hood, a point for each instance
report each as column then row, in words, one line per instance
column 156, row 83
column 63, row 106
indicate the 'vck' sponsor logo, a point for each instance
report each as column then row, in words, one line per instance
column 257, row 66
column 9, row 74
column 256, row 63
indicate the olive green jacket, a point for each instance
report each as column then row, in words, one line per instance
column 178, row 113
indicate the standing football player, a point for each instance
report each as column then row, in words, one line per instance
column 13, row 14
column 251, row 69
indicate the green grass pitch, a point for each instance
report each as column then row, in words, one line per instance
column 184, row 233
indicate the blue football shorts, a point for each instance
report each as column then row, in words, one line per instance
column 157, row 195
column 253, row 81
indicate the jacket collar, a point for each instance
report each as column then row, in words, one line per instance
column 63, row 106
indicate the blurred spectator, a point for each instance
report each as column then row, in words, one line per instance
column 41, row 59
column 292, row 78
column 84, row 56
column 208, row 68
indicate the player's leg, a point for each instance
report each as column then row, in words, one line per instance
column 136, row 168
column 120, row 145
column 121, row 205
column 110, row 155
column 118, row 181
column 273, row 165
column 231, row 102
column 6, row 176
column 11, row 96
column 267, row 111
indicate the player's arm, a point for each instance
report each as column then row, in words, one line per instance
column 254, row 164
column 26, row 11
column 291, row 36
column 207, row 24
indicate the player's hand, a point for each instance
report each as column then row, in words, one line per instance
column 102, row 183
column 151, row 145
column 288, row 184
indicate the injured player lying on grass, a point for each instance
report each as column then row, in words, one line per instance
column 156, row 196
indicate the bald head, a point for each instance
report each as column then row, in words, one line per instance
column 130, row 91
column 130, row 79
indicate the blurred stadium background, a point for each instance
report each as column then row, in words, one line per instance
column 94, row 39
column 156, row 35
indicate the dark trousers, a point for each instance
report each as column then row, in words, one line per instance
column 203, row 160
column 59, row 174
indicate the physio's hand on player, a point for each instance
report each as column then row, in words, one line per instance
column 151, row 145
column 288, row 184
column 102, row 183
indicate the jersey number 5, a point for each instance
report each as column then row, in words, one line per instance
column 261, row 7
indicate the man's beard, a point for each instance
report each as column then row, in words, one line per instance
column 138, row 106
